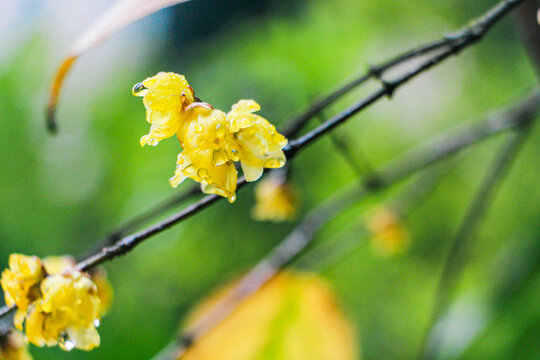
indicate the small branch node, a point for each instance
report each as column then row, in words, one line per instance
column 389, row 87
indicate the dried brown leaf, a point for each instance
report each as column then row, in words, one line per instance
column 118, row 16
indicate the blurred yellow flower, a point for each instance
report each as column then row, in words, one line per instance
column 293, row 317
column 275, row 200
column 61, row 305
column 165, row 97
column 389, row 234
column 257, row 143
column 13, row 347
column 66, row 314
column 59, row 264
column 20, row 283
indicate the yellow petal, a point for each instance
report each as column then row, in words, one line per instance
column 252, row 173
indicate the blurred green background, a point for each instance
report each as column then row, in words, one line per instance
column 59, row 195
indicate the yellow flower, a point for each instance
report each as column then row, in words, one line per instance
column 256, row 142
column 200, row 166
column 105, row 290
column 206, row 141
column 66, row 314
column 21, row 283
column 165, row 96
column 60, row 304
column 389, row 234
column 59, row 264
column 13, row 347
column 275, row 201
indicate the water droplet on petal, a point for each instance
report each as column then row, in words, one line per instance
column 138, row 88
column 199, row 128
column 202, row 172
column 97, row 323
column 65, row 342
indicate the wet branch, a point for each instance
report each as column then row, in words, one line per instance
column 457, row 42
column 466, row 234
column 136, row 221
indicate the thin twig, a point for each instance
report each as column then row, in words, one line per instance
column 374, row 71
column 347, row 242
column 456, row 258
column 6, row 310
column 342, row 146
column 143, row 218
column 460, row 40
column 302, row 235
column 127, row 243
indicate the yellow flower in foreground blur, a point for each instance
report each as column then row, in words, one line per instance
column 212, row 141
column 256, row 141
column 59, row 264
column 66, row 314
column 293, row 317
column 165, row 97
column 13, row 347
column 389, row 234
column 275, row 200
column 63, row 306
column 21, row 283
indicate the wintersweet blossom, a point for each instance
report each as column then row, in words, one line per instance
column 58, row 304
column 60, row 264
column 66, row 314
column 275, row 200
column 256, row 141
column 165, row 97
column 20, row 283
column 389, row 234
column 212, row 141
column 13, row 347
column 205, row 138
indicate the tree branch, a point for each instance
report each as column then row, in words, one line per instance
column 374, row 71
column 465, row 236
column 138, row 220
column 458, row 41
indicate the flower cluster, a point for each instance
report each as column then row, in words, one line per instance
column 58, row 304
column 275, row 200
column 212, row 140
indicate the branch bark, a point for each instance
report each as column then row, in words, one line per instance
column 465, row 236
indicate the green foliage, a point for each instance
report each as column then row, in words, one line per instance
column 60, row 195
